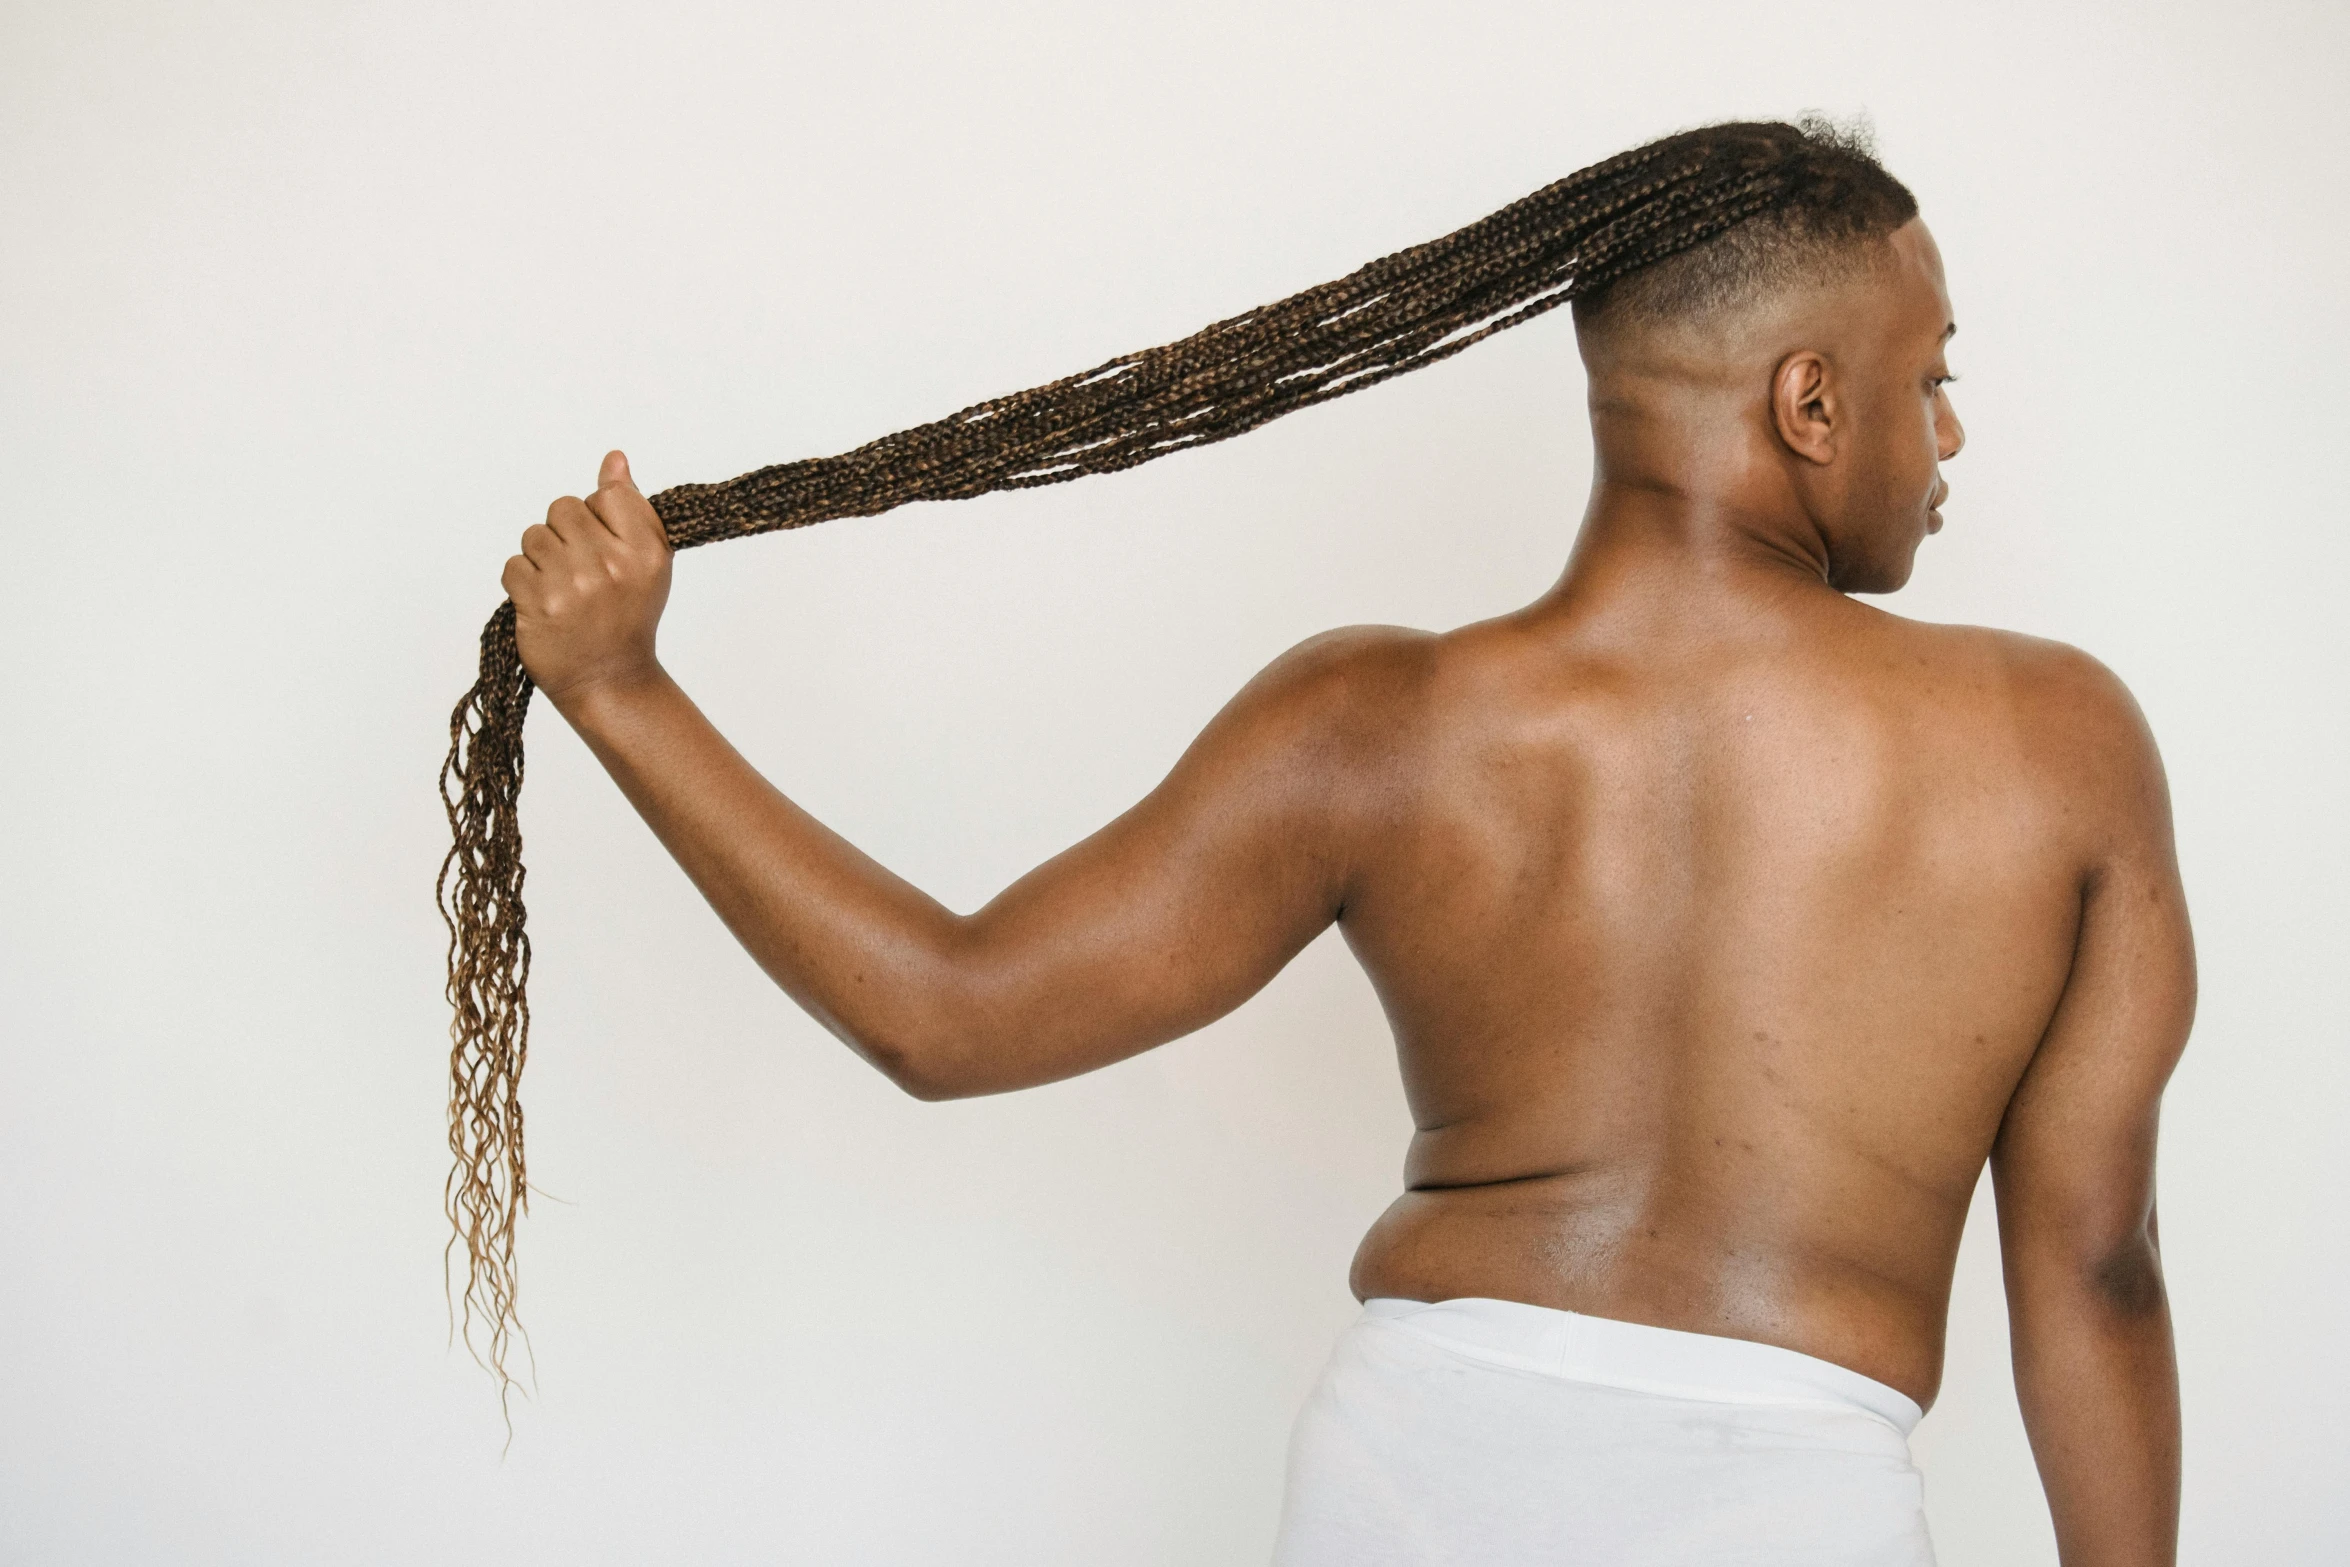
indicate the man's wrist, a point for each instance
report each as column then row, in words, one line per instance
column 589, row 698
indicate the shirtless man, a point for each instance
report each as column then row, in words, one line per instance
column 1727, row 926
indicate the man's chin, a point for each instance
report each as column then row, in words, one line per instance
column 1883, row 576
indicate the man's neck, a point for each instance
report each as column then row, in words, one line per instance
column 1657, row 559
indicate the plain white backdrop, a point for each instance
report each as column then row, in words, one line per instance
column 307, row 311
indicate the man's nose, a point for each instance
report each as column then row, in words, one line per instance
column 1953, row 437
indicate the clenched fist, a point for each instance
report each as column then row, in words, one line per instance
column 588, row 587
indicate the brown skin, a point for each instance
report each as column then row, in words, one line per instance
column 1727, row 925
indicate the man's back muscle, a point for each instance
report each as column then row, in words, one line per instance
column 1713, row 958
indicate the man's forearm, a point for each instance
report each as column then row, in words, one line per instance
column 2098, row 1384
column 863, row 951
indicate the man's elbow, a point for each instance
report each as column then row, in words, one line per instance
column 920, row 1033
column 2127, row 1281
column 927, row 1067
column 932, row 1079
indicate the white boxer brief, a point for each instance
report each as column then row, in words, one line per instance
column 1488, row 1433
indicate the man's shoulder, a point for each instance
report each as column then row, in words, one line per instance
column 2072, row 716
column 2052, row 680
column 1348, row 674
column 1398, row 689
column 1331, row 701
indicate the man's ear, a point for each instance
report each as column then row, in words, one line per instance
column 1803, row 406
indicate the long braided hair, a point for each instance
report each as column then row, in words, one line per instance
column 1570, row 240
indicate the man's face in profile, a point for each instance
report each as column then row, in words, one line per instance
column 1895, row 365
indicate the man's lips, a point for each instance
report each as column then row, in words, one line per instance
column 1934, row 508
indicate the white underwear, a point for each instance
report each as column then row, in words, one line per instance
column 1487, row 1433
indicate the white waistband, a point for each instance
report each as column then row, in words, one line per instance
column 1645, row 1359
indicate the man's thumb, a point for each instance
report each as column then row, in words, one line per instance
column 614, row 471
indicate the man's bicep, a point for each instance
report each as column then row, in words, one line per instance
column 1185, row 905
column 2074, row 1160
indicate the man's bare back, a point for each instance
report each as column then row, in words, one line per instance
column 1727, row 925
column 1714, row 960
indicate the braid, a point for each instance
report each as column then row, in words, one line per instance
column 1570, row 239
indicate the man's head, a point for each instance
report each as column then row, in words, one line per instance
column 1791, row 366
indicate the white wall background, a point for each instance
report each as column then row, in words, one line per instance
column 306, row 311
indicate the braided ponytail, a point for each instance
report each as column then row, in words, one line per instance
column 1570, row 239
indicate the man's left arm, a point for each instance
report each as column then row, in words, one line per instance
column 2073, row 1166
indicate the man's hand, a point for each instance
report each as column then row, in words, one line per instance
column 588, row 587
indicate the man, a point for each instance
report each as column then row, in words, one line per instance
column 1727, row 926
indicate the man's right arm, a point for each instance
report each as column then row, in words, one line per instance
column 1158, row 924
column 2073, row 1165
